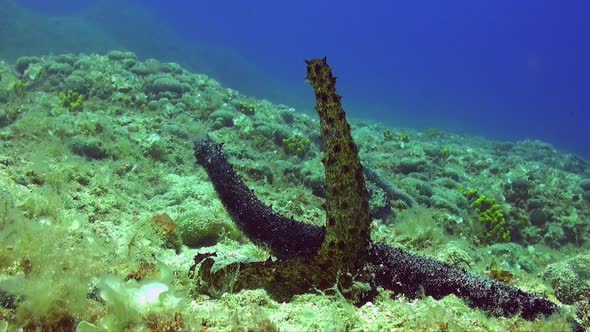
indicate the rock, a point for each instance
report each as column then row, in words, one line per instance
column 59, row 68
column 411, row 165
column 570, row 279
column 221, row 118
column 23, row 63
column 120, row 56
column 76, row 83
column 198, row 230
column 585, row 184
column 88, row 147
column 166, row 83
column 538, row 217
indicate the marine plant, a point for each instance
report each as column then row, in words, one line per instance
column 246, row 108
column 296, row 145
column 495, row 271
column 72, row 100
column 340, row 256
column 19, row 88
column 403, row 138
column 387, row 135
column 470, row 193
column 492, row 221
column 446, row 151
column 491, row 217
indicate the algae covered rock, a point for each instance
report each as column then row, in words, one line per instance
column 379, row 203
column 7, row 115
column 23, row 63
column 77, row 84
column 585, row 184
column 539, row 217
column 9, row 83
column 197, row 230
column 121, row 56
column 66, row 58
column 570, row 279
column 89, row 147
column 455, row 255
column 56, row 68
column 409, row 165
column 171, row 68
column 222, row 118
column 127, row 59
column 140, row 69
column 148, row 67
column 161, row 84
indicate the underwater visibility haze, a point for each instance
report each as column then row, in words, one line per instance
column 503, row 70
column 294, row 165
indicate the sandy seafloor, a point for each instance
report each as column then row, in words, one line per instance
column 102, row 207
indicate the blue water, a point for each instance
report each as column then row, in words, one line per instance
column 501, row 69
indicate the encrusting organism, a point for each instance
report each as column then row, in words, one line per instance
column 341, row 254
